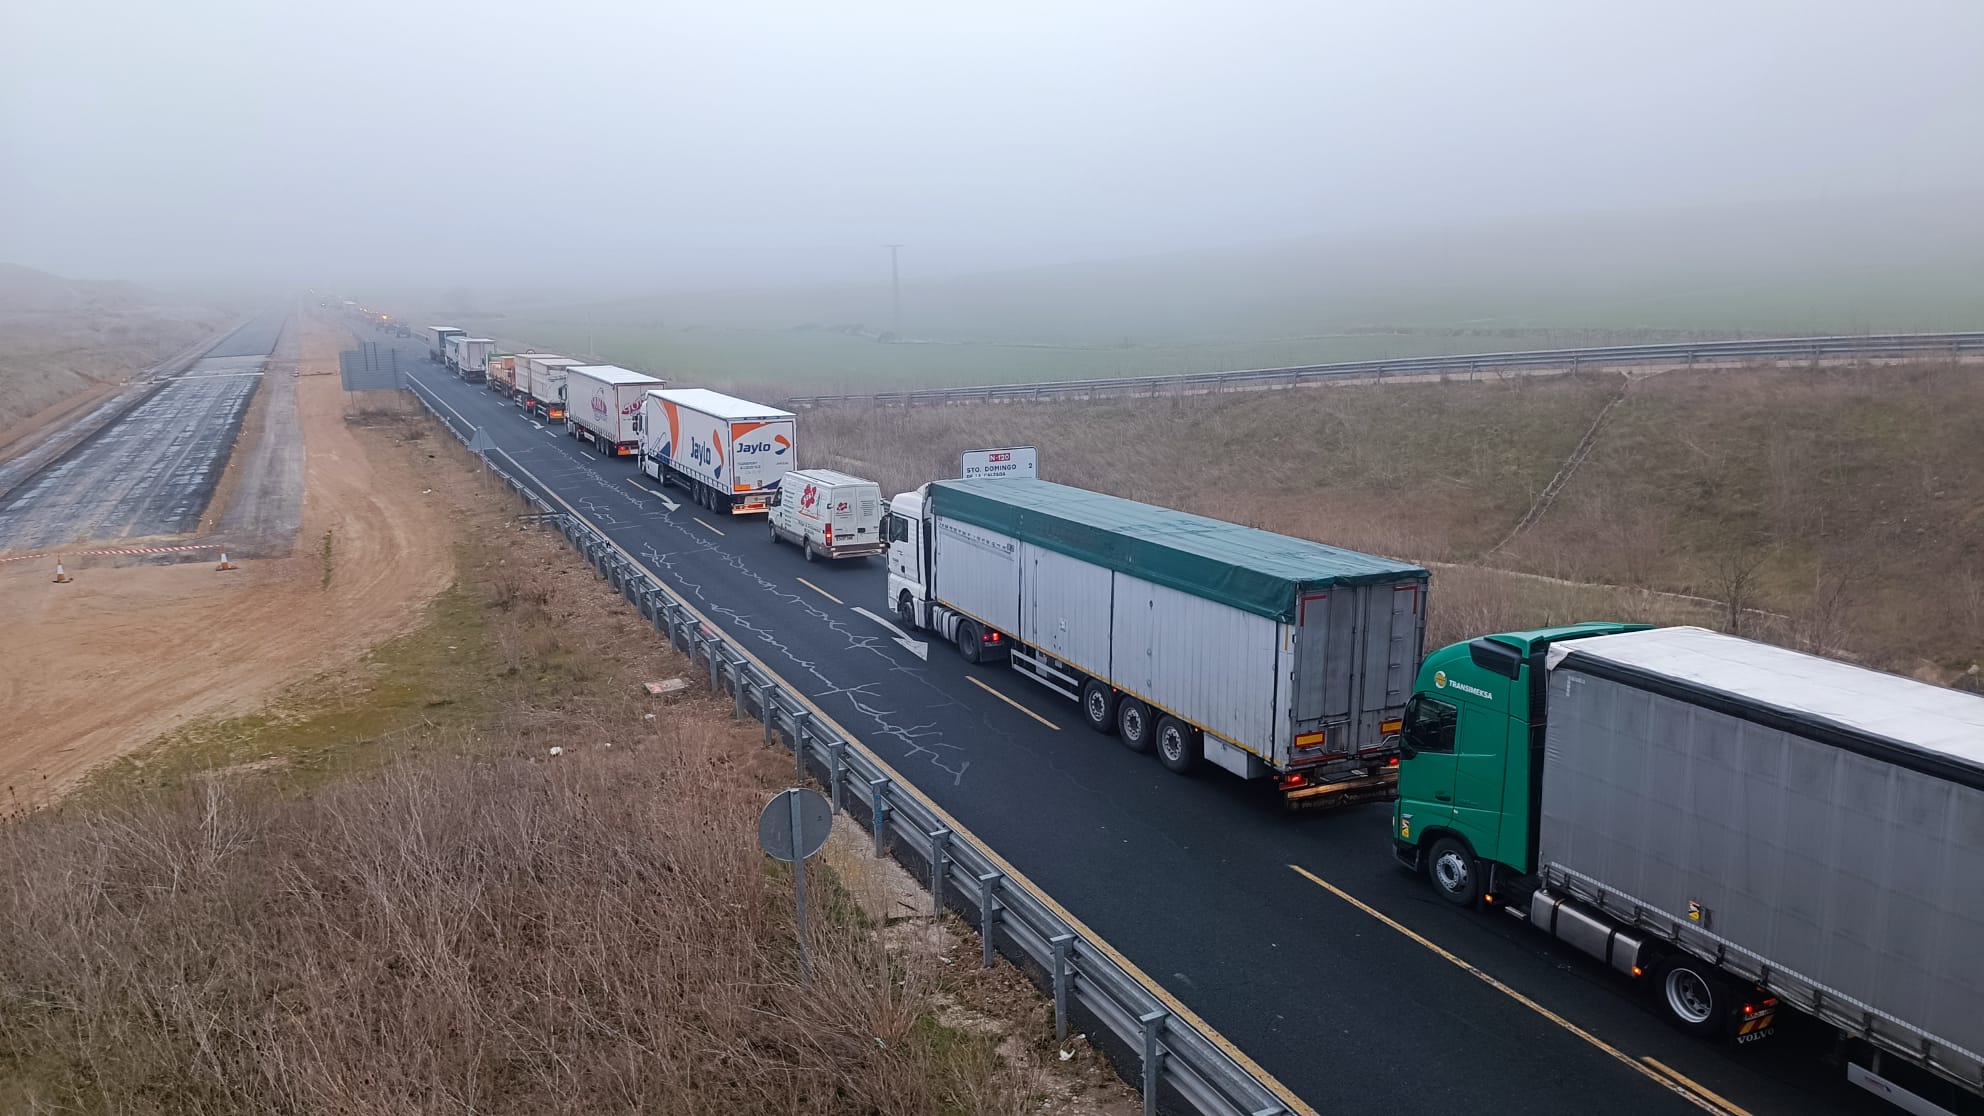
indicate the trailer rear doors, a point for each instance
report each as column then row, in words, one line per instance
column 1356, row 650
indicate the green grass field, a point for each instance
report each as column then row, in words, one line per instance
column 1568, row 282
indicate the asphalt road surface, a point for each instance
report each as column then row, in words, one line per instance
column 266, row 509
column 256, row 338
column 1374, row 996
column 150, row 472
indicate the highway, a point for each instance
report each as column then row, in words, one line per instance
column 151, row 471
column 1296, row 936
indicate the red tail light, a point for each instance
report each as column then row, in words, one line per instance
column 1293, row 780
column 992, row 637
column 830, row 535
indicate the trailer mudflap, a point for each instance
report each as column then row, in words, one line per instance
column 1379, row 787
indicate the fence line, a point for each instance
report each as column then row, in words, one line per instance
column 1681, row 354
column 1178, row 1064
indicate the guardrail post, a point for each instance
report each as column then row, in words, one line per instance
column 802, row 729
column 741, row 685
column 770, row 709
column 1153, row 1027
column 709, row 650
column 879, row 807
column 836, row 755
column 940, row 855
column 1061, row 942
column 988, row 910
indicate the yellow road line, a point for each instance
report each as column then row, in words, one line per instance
column 698, row 523
column 1283, row 1093
column 1011, row 702
column 1701, row 1098
column 821, row 591
column 1691, row 1083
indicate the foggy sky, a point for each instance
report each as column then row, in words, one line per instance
column 676, row 145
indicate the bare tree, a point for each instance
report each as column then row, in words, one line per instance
column 1733, row 577
column 1837, row 586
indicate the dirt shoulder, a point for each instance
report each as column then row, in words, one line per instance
column 99, row 666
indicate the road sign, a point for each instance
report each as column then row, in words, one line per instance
column 1012, row 461
column 793, row 827
column 795, row 824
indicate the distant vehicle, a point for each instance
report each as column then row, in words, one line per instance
column 470, row 358
column 1265, row 655
column 827, row 513
column 729, row 453
column 603, row 406
column 501, row 374
column 1740, row 825
column 437, row 341
column 541, row 385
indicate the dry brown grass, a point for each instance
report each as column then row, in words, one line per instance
column 592, row 933
column 1858, row 488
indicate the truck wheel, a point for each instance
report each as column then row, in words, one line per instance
column 1133, row 724
column 1695, row 995
column 808, row 548
column 1098, row 706
column 774, row 529
column 1179, row 746
column 906, row 612
column 1454, row 873
column 969, row 642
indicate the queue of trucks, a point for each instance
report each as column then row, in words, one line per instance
column 1739, row 827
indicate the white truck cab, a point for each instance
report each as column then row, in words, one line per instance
column 909, row 565
column 825, row 512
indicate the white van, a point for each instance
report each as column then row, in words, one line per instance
column 824, row 512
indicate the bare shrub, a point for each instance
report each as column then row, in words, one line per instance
column 1734, row 573
column 584, row 934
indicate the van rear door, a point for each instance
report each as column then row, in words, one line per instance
column 856, row 513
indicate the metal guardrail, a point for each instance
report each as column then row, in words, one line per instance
column 1179, row 1065
column 1686, row 354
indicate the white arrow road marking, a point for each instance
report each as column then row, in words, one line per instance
column 915, row 647
column 656, row 493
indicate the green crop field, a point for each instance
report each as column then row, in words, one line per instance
column 1565, row 283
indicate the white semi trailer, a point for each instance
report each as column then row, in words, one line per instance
column 437, row 341
column 470, row 358
column 542, row 391
column 603, row 406
column 729, row 453
column 1265, row 655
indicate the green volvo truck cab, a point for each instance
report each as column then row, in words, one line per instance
column 1471, row 759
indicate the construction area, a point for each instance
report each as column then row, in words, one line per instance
column 147, row 631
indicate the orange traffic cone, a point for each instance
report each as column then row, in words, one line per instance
column 60, row 577
column 225, row 564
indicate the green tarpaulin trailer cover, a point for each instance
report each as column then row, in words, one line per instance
column 1256, row 571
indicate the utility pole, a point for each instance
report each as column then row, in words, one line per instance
column 895, row 290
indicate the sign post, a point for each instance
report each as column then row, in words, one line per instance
column 992, row 464
column 794, row 826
